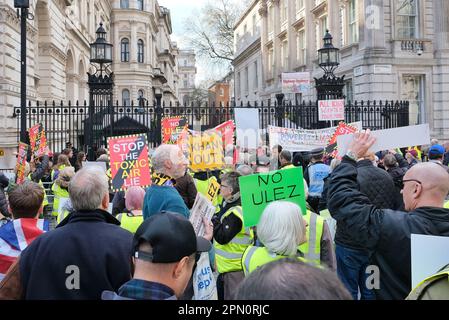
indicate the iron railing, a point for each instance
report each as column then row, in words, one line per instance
column 70, row 122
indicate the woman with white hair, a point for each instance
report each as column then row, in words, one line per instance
column 281, row 229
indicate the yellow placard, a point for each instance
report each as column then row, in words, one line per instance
column 212, row 190
column 206, row 151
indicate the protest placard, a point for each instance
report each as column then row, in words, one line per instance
column 227, row 130
column 247, row 127
column 428, row 255
column 173, row 129
column 21, row 162
column 329, row 110
column 258, row 190
column 100, row 164
column 295, row 82
column 391, row 138
column 202, row 207
column 129, row 161
column 206, row 151
column 301, row 139
column 38, row 140
column 212, row 190
column 342, row 129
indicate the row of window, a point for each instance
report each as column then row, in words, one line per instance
column 124, row 50
column 124, row 4
column 126, row 98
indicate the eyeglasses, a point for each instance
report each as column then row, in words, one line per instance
column 408, row 180
column 225, row 186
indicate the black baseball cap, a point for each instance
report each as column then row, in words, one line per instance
column 171, row 237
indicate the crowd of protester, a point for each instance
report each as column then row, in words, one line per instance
column 79, row 240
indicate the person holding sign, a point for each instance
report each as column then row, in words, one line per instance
column 231, row 237
column 386, row 233
column 169, row 164
column 281, row 229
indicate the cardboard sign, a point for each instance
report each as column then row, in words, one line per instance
column 99, row 164
column 391, row 138
column 295, row 82
column 247, row 123
column 174, row 130
column 129, row 161
column 38, row 140
column 428, row 255
column 302, row 139
column 21, row 162
column 258, row 190
column 212, row 190
column 206, row 151
column 331, row 110
column 341, row 130
column 201, row 208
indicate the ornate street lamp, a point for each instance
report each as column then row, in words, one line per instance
column 101, row 83
column 100, row 50
column 329, row 86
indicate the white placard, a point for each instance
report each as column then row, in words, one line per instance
column 295, row 140
column 201, row 208
column 295, row 82
column 247, row 127
column 391, row 138
column 429, row 254
column 329, row 110
column 99, row 164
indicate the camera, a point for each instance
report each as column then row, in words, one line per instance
column 419, row 52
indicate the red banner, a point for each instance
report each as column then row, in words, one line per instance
column 342, row 129
column 21, row 162
column 129, row 162
column 227, row 130
column 38, row 140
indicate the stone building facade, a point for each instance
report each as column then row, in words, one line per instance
column 187, row 72
column 58, row 51
column 390, row 50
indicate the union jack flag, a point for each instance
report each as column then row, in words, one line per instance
column 15, row 236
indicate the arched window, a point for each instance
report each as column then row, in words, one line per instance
column 140, row 4
column 140, row 97
column 125, row 97
column 124, row 4
column 140, row 51
column 125, row 50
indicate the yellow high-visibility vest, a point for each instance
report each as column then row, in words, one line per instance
column 130, row 222
column 58, row 193
column 314, row 231
column 228, row 256
column 255, row 257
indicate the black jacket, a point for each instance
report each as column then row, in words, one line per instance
column 89, row 241
column 397, row 173
column 384, row 233
column 227, row 229
column 4, row 182
column 378, row 186
column 41, row 168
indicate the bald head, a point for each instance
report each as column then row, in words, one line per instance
column 433, row 177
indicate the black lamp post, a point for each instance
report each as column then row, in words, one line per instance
column 23, row 5
column 329, row 86
column 100, row 88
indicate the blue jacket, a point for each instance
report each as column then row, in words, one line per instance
column 158, row 198
column 87, row 247
column 314, row 176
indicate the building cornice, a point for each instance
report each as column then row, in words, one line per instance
column 50, row 49
column 250, row 50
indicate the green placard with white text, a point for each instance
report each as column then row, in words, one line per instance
column 258, row 190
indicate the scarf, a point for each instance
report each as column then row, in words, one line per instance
column 161, row 179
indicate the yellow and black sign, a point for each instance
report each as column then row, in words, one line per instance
column 206, row 151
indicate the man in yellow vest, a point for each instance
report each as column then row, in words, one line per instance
column 60, row 187
column 285, row 157
column 231, row 238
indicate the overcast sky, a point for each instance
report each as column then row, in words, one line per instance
column 180, row 10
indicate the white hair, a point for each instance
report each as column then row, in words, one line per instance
column 281, row 228
column 161, row 154
column 87, row 188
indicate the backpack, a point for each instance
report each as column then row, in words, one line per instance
column 435, row 287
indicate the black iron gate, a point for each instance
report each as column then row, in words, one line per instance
column 70, row 122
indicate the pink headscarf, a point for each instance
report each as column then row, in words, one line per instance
column 134, row 198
